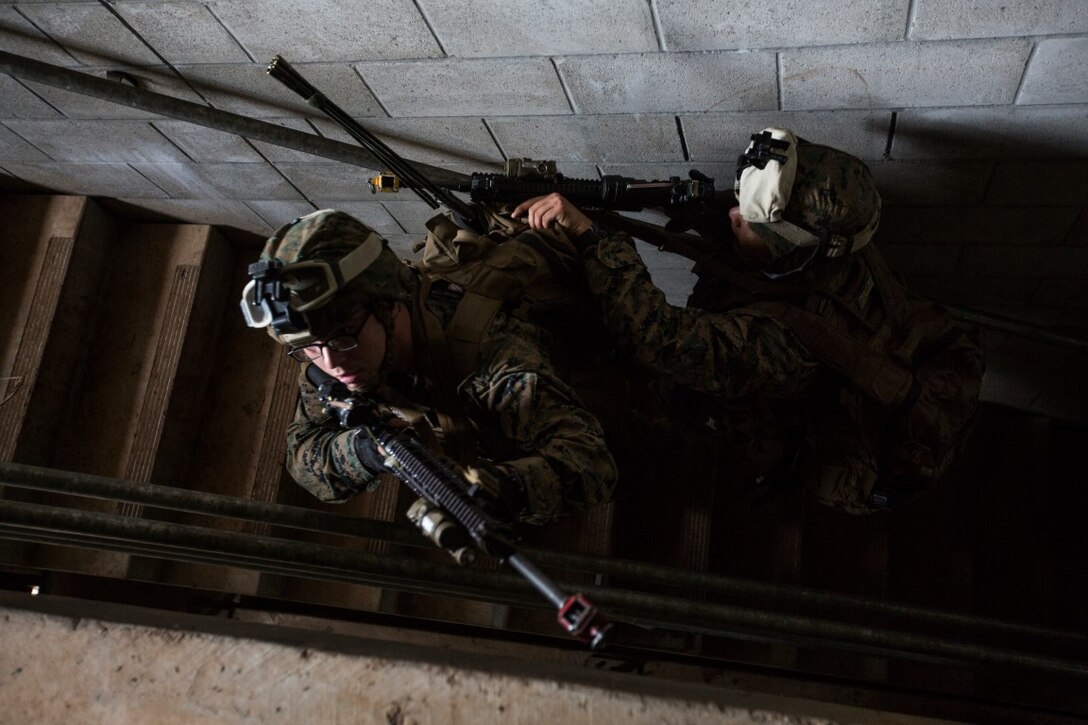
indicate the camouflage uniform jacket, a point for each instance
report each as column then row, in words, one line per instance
column 732, row 354
column 748, row 370
column 531, row 425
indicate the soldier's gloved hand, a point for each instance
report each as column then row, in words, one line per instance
column 366, row 448
column 500, row 490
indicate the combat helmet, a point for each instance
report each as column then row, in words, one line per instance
column 805, row 200
column 317, row 272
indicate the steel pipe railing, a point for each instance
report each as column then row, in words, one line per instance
column 644, row 574
column 46, row 524
column 766, row 594
column 1014, row 327
column 196, row 544
column 201, row 502
column 163, row 105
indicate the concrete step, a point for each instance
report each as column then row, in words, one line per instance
column 54, row 259
column 134, row 400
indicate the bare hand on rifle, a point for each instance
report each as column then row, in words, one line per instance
column 542, row 212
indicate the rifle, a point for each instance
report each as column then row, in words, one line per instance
column 448, row 511
column 402, row 171
column 526, row 178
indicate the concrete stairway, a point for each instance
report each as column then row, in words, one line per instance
column 116, row 339
column 122, row 353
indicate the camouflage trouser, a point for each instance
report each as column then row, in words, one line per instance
column 840, row 469
column 830, row 447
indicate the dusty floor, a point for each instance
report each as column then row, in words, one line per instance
column 63, row 669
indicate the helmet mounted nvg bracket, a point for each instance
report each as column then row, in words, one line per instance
column 266, row 300
column 763, row 148
column 279, row 295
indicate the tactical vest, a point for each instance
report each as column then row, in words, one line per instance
column 912, row 376
column 531, row 275
column 528, row 272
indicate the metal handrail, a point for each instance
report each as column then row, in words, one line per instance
column 49, row 524
column 991, row 321
column 163, row 105
column 766, row 596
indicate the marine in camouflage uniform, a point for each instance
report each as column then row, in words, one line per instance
column 536, row 449
column 733, row 367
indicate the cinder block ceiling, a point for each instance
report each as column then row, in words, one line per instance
column 973, row 115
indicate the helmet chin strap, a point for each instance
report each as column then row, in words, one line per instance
column 805, row 256
column 386, row 313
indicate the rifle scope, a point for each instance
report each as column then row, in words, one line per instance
column 621, row 193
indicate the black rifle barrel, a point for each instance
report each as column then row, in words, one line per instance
column 619, row 193
column 286, row 74
column 427, row 190
column 428, row 476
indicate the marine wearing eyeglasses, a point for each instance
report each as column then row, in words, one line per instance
column 330, row 290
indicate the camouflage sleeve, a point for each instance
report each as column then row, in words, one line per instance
column 558, row 448
column 731, row 354
column 321, row 455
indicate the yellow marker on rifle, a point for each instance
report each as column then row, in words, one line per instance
column 384, row 181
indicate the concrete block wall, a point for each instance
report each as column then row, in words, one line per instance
column 973, row 114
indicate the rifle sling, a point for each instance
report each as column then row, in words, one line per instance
column 451, row 417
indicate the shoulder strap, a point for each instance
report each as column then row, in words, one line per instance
column 891, row 292
column 873, row 370
column 466, row 329
column 451, row 417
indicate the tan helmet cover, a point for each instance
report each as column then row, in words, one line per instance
column 818, row 191
column 764, row 193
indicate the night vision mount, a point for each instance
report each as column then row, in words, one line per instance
column 279, row 295
column 266, row 301
column 762, row 149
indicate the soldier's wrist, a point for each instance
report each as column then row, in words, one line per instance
column 589, row 238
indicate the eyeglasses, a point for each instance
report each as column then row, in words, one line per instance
column 340, row 343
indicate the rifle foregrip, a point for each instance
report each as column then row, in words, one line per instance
column 589, row 193
column 609, row 192
column 430, row 478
